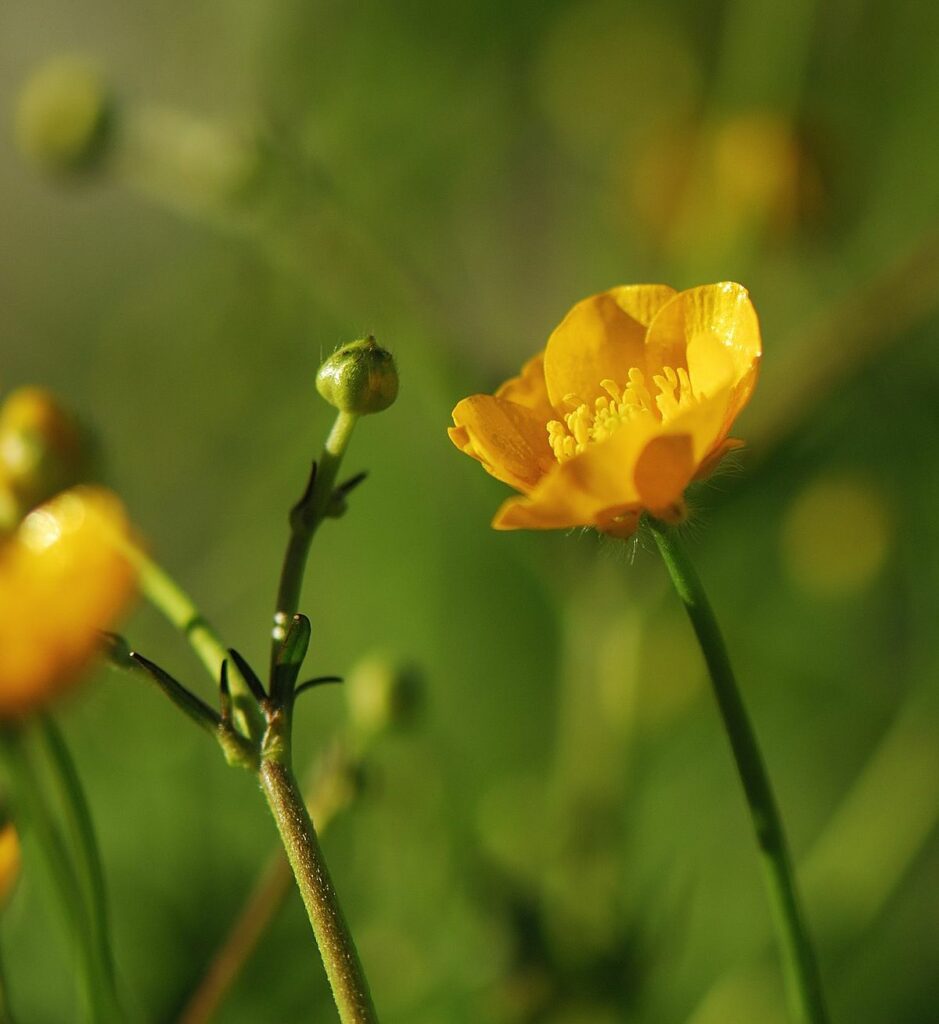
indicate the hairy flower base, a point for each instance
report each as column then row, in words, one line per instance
column 631, row 400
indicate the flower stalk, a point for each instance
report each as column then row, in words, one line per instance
column 253, row 724
column 800, row 969
column 272, row 763
column 263, row 725
column 305, row 518
column 337, row 948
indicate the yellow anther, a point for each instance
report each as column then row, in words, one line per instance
column 585, row 425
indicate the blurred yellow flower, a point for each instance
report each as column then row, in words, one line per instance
column 9, row 860
column 63, row 578
column 631, row 400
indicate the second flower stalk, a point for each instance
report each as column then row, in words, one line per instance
column 253, row 723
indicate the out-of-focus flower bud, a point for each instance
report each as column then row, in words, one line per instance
column 63, row 115
column 42, row 451
column 751, row 173
column 10, row 858
column 64, row 577
column 383, row 694
column 360, row 378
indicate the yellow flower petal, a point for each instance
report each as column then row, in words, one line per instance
column 509, row 440
column 672, row 459
column 62, row 580
column 713, row 332
column 601, row 338
column 529, row 389
column 597, row 484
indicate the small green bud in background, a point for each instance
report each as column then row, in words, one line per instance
column 360, row 378
column 383, row 694
column 62, row 115
column 43, row 450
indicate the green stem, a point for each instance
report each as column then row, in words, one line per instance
column 84, row 840
column 304, row 522
column 337, row 948
column 803, row 983
column 33, row 809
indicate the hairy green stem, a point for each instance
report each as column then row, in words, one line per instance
column 337, row 948
column 803, row 983
column 326, row 797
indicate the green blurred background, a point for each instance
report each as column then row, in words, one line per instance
column 560, row 836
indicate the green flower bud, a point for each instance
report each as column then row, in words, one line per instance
column 62, row 115
column 360, row 378
column 382, row 695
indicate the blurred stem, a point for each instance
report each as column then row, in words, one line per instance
column 326, row 798
column 803, row 983
column 265, row 899
column 84, row 840
column 6, row 1012
column 165, row 594
column 98, row 990
column 337, row 948
column 169, row 598
column 305, row 519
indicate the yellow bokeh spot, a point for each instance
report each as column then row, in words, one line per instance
column 836, row 536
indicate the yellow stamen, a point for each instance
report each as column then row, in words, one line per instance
column 585, row 425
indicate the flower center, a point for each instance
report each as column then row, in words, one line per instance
column 589, row 424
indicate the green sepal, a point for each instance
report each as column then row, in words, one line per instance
column 289, row 660
column 193, row 706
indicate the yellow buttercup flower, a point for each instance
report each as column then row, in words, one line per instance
column 63, row 578
column 631, row 400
